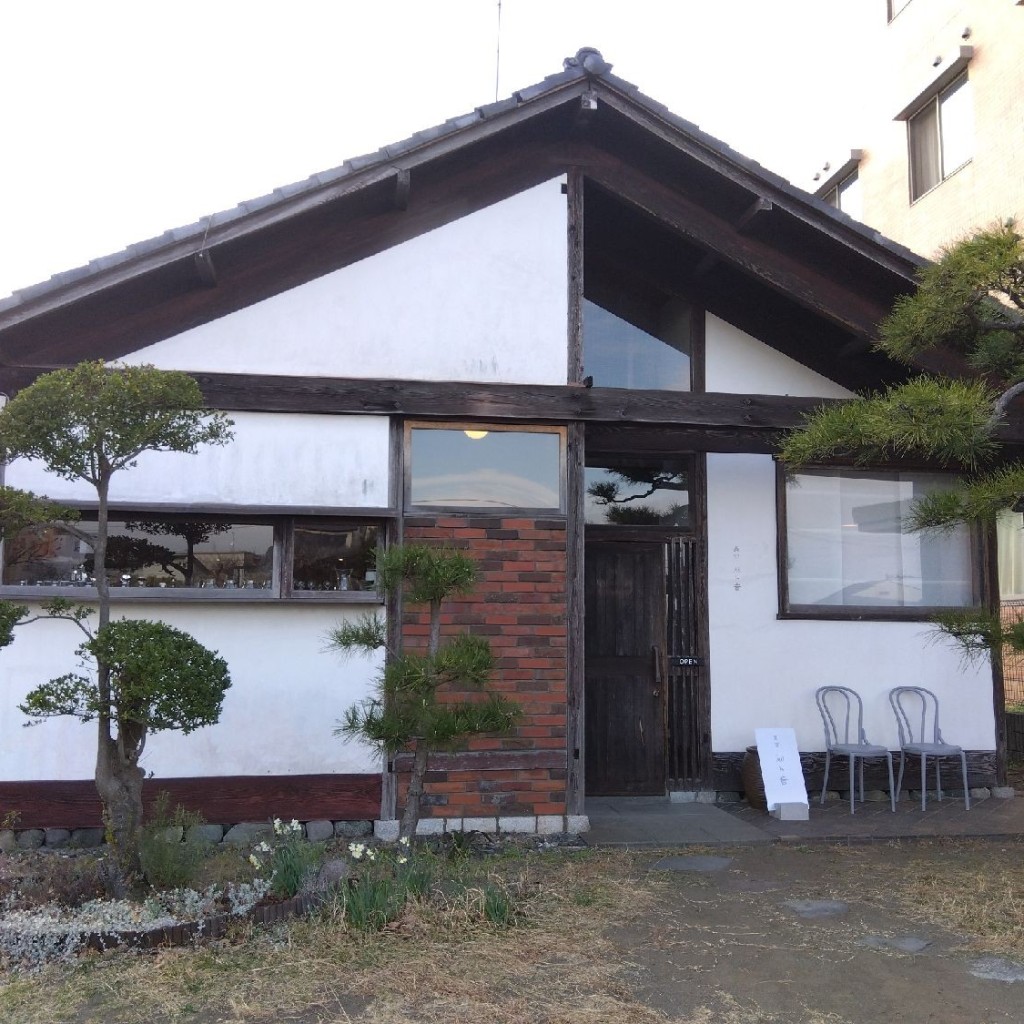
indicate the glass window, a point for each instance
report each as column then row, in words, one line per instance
column 1010, row 540
column 485, row 467
column 213, row 557
column 334, row 556
column 895, row 6
column 846, row 546
column 618, row 354
column 941, row 137
column 649, row 495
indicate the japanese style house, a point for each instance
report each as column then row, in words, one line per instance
column 562, row 332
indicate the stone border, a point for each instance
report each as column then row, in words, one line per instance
column 213, row 927
column 241, row 833
column 387, row 830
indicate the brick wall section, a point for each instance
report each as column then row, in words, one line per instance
column 520, row 607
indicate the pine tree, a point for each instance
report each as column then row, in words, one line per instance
column 414, row 706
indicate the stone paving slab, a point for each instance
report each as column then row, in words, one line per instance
column 656, row 821
column 876, row 821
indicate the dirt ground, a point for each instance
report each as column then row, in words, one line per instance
column 724, row 947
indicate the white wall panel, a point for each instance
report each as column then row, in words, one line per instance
column 286, row 696
column 483, row 298
column 764, row 671
column 275, row 459
column 739, row 364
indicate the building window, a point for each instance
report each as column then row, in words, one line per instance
column 618, row 354
column 486, row 468
column 895, row 6
column 940, row 136
column 845, row 550
column 214, row 556
column 651, row 493
column 1010, row 541
column 846, row 196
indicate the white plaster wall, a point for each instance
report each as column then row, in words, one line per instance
column 275, row 459
column 483, row 298
column 286, row 696
column 764, row 671
column 737, row 363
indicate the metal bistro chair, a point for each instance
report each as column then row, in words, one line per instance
column 913, row 737
column 845, row 742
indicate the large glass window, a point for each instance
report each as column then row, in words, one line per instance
column 637, row 495
column 485, row 467
column 617, row 354
column 210, row 556
column 941, row 137
column 846, row 546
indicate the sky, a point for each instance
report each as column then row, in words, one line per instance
column 123, row 119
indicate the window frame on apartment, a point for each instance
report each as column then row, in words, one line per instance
column 894, row 7
column 285, row 524
column 969, row 538
column 930, row 124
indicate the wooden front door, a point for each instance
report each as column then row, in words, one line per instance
column 625, row 667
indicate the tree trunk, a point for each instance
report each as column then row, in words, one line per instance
column 411, row 814
column 119, row 785
column 118, row 782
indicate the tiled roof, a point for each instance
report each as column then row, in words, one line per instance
column 577, row 69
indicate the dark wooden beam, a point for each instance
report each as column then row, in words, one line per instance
column 732, row 415
column 707, row 262
column 835, row 301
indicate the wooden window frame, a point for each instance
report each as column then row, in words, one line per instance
column 862, row 613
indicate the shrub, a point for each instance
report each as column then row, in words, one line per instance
column 169, row 859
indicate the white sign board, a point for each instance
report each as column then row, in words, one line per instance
column 784, row 787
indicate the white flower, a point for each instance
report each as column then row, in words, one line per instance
column 404, row 841
column 357, row 850
column 295, row 826
column 263, row 848
column 401, row 859
column 370, row 855
column 254, row 860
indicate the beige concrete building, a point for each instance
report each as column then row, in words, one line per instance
column 941, row 151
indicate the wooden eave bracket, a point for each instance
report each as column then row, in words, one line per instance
column 586, row 110
column 758, row 206
column 205, row 270
column 403, row 187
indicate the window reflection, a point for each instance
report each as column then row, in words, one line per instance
column 637, row 496
column 160, row 553
column 847, row 544
column 335, row 556
column 618, row 354
column 492, row 469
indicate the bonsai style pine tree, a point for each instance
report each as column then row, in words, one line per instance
column 414, row 707
column 969, row 302
column 88, row 423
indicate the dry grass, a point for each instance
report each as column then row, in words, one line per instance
column 972, row 888
column 436, row 963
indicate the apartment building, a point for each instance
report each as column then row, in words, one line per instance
column 941, row 151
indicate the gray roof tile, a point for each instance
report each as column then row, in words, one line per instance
column 453, row 125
